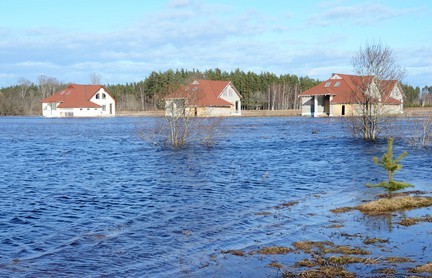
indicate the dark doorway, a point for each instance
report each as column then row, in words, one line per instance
column 343, row 110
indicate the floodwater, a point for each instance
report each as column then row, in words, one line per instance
column 88, row 197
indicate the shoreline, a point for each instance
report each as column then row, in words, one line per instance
column 408, row 112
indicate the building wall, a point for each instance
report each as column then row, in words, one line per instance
column 306, row 106
column 103, row 99
column 230, row 95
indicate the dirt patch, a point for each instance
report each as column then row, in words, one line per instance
column 274, row 250
column 414, row 220
column 385, row 205
column 375, row 240
column 234, row 252
column 423, row 268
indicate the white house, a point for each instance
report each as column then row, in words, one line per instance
column 344, row 95
column 79, row 101
column 205, row 98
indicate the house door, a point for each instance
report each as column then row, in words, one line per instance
column 111, row 109
column 327, row 105
column 313, row 106
column 343, row 110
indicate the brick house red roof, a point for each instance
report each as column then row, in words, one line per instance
column 203, row 93
column 76, row 96
column 345, row 89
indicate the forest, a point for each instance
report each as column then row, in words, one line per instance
column 259, row 91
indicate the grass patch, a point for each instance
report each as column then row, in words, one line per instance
column 346, row 250
column 423, row 268
column 398, row 260
column 342, row 209
column 286, row 205
column 387, row 271
column 326, row 271
column 306, row 263
column 234, row 252
column 307, row 246
column 263, row 213
column 335, row 226
column 414, row 220
column 342, row 260
column 274, row 250
column 384, row 206
column 401, row 194
column 275, row 264
column 375, row 240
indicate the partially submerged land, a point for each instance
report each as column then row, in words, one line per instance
column 360, row 255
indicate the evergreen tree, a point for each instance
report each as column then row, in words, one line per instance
column 391, row 166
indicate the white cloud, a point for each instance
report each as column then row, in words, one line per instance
column 364, row 13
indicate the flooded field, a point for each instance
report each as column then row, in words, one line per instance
column 88, row 197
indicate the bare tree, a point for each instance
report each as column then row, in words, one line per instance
column 95, row 78
column 377, row 68
column 47, row 85
column 180, row 126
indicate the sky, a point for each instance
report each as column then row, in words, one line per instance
column 125, row 40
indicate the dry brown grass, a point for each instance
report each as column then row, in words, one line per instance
column 398, row 260
column 275, row 264
column 342, row 209
column 342, row 260
column 423, row 268
column 346, row 250
column 326, row 271
column 401, row 194
column 263, row 213
column 387, row 271
column 234, row 252
column 385, row 205
column 286, row 205
column 274, row 250
column 415, row 220
column 306, row 263
column 375, row 240
column 307, row 246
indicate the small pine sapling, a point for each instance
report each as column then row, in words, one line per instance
column 391, row 166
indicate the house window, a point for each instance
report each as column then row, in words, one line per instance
column 97, row 96
column 103, row 96
column 103, row 107
column 327, row 84
column 337, row 84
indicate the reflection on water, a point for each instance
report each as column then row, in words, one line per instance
column 87, row 196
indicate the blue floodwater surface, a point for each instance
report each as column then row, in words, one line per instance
column 90, row 198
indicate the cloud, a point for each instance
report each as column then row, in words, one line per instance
column 364, row 13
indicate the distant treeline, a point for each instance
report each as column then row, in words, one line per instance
column 259, row 91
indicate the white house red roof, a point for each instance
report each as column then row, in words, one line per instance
column 76, row 95
column 343, row 89
column 203, row 93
